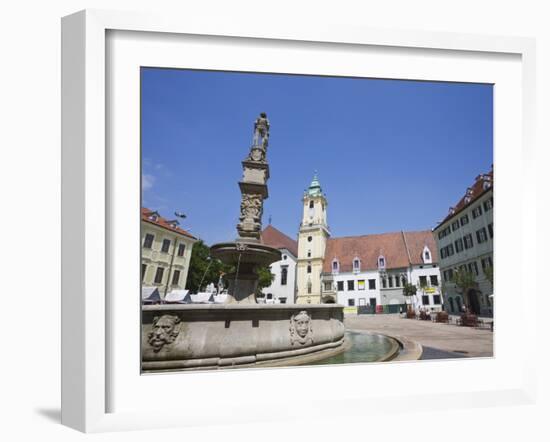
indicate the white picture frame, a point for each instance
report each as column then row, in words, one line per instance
column 87, row 213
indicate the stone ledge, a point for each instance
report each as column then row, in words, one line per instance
column 283, row 358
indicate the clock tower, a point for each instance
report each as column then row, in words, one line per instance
column 312, row 241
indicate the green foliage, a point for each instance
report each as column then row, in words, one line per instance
column 488, row 272
column 464, row 279
column 203, row 268
column 266, row 277
column 409, row 289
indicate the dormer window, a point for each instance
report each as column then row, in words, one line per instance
column 153, row 216
column 174, row 223
column 426, row 255
column 356, row 265
column 381, row 262
column 335, row 266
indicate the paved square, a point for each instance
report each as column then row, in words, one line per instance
column 437, row 339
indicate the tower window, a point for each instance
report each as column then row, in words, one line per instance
column 311, row 204
column 309, row 268
column 309, row 238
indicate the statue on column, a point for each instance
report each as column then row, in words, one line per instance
column 261, row 131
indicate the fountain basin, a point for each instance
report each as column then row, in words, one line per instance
column 245, row 253
column 212, row 336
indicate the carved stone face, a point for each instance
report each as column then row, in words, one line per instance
column 164, row 331
column 302, row 326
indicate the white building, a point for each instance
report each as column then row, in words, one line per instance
column 371, row 270
column 366, row 270
column 465, row 241
column 283, row 288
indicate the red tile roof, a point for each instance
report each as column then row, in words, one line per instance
column 278, row 240
column 162, row 222
column 478, row 189
column 400, row 249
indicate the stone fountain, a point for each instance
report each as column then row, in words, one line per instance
column 241, row 332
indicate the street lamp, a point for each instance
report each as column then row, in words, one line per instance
column 209, row 259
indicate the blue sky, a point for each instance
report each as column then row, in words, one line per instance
column 390, row 154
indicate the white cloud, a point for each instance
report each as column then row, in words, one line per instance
column 147, row 181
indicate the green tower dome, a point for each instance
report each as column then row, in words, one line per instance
column 315, row 187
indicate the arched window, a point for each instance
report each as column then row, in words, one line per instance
column 309, row 268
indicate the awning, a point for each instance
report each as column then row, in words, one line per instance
column 179, row 296
column 150, row 295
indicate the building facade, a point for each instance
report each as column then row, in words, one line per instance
column 165, row 253
column 367, row 270
column 465, row 243
column 283, row 288
column 371, row 270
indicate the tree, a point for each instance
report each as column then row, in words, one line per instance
column 203, row 269
column 265, row 277
column 409, row 290
column 464, row 279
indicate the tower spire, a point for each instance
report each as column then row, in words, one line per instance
column 314, row 188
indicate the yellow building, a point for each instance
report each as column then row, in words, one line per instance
column 165, row 253
column 312, row 241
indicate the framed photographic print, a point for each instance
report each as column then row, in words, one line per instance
column 257, row 212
